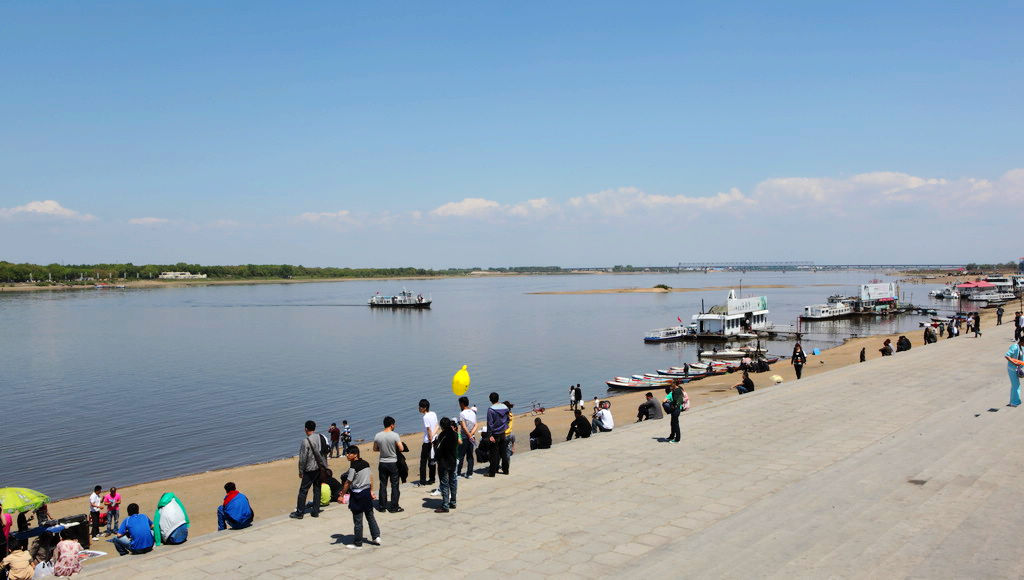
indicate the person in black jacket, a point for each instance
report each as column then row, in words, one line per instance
column 798, row 360
column 579, row 427
column 444, row 450
column 540, row 437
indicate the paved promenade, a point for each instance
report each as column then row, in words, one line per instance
column 908, row 466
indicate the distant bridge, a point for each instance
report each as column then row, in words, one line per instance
column 774, row 264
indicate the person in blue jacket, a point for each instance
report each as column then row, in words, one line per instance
column 1016, row 352
column 135, row 536
column 235, row 511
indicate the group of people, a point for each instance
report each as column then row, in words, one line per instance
column 54, row 555
column 448, row 444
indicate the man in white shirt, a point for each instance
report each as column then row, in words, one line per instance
column 604, row 421
column 467, row 428
column 430, row 429
column 95, row 503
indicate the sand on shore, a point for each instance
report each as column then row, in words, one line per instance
column 272, row 486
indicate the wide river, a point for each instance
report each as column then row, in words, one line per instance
column 114, row 387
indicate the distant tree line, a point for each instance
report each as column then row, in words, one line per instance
column 70, row 273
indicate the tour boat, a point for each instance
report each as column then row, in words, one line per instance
column 404, row 299
column 669, row 334
column 737, row 316
column 991, row 296
column 826, row 311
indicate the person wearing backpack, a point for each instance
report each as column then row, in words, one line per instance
column 678, row 398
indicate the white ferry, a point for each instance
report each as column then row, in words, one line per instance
column 826, row 311
column 404, row 299
column 669, row 334
column 736, row 317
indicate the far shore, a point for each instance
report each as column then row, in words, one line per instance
column 271, row 485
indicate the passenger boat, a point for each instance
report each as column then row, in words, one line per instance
column 826, row 311
column 991, row 296
column 669, row 334
column 737, row 316
column 404, row 299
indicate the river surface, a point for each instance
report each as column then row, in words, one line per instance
column 114, row 387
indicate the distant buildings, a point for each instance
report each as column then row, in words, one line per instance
column 181, row 276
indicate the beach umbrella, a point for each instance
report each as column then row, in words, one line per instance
column 460, row 382
column 21, row 499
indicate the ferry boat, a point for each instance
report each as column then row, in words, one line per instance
column 669, row 334
column 826, row 311
column 404, row 299
column 991, row 296
column 738, row 316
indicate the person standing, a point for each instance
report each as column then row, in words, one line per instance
column 798, row 360
column 113, row 502
column 427, row 451
column 497, row 423
column 335, row 434
column 1015, row 352
column 999, row 315
column 447, row 448
column 579, row 397
column 388, row 444
column 346, row 435
column 310, row 462
column 467, row 428
column 1018, row 321
column 863, row 354
column 359, row 486
column 678, row 400
column 572, row 398
column 95, row 504
column 977, row 325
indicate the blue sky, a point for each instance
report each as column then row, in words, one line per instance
column 480, row 134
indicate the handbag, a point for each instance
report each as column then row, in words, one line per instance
column 1020, row 372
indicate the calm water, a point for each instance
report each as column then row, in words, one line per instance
column 114, row 387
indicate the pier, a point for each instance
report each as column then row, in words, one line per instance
column 903, row 466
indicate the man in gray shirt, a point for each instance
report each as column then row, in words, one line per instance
column 387, row 443
column 310, row 462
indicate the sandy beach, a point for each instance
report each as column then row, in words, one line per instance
column 272, row 486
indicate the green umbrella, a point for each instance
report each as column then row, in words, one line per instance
column 21, row 499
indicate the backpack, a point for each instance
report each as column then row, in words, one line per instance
column 325, row 447
column 677, row 398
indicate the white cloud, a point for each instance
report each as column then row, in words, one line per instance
column 148, row 221
column 46, row 208
column 780, row 197
column 341, row 216
column 629, row 200
column 468, row 207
